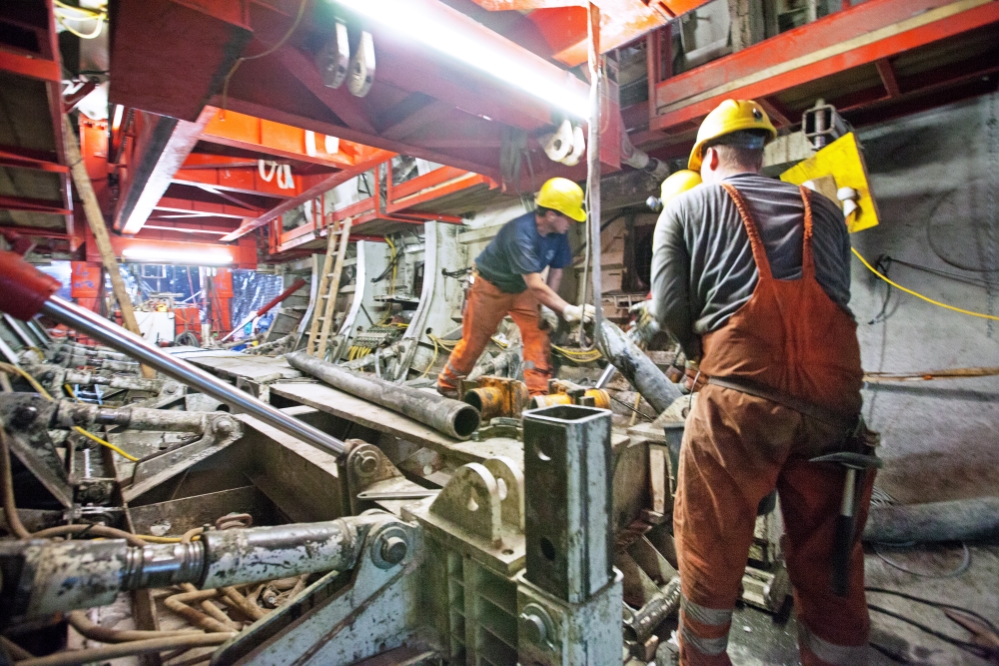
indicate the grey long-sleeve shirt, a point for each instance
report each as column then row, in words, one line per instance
column 702, row 263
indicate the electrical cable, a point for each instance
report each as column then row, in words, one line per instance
column 240, row 61
column 967, row 646
column 918, row 295
column 883, row 265
column 954, row 573
column 637, row 411
column 94, row 437
column 433, row 360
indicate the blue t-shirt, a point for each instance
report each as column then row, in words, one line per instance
column 518, row 249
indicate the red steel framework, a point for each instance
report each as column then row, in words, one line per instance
column 874, row 34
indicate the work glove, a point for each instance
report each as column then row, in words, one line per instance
column 549, row 317
column 576, row 313
column 644, row 326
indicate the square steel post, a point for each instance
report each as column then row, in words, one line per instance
column 568, row 475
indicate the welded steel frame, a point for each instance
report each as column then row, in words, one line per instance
column 44, row 66
column 394, row 207
column 871, row 33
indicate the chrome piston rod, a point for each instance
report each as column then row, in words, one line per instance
column 92, row 325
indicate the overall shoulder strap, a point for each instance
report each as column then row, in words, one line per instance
column 759, row 252
column 807, row 260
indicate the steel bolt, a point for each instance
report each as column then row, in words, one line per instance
column 366, row 463
column 223, row 427
column 394, row 549
column 24, row 416
column 535, row 630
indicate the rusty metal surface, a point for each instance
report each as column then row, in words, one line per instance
column 180, row 515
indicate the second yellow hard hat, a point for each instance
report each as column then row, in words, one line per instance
column 677, row 184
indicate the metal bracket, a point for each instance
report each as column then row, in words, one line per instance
column 220, row 431
column 334, row 59
column 343, row 618
column 26, row 416
column 362, row 66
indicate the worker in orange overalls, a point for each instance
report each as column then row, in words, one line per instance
column 752, row 277
column 507, row 280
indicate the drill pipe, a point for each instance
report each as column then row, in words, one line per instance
column 636, row 367
column 454, row 418
column 58, row 576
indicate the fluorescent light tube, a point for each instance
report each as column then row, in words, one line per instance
column 184, row 257
column 408, row 18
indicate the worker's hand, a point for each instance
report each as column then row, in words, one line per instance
column 686, row 372
column 644, row 326
column 548, row 316
column 576, row 313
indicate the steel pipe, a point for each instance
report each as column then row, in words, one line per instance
column 454, row 418
column 92, row 325
column 956, row 520
column 636, row 367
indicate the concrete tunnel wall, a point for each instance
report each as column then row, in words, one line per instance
column 936, row 178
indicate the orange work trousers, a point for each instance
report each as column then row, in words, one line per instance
column 486, row 307
column 737, row 448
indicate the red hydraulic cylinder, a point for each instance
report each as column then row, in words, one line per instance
column 23, row 288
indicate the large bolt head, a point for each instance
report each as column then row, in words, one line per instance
column 366, row 463
column 534, row 628
column 24, row 416
column 224, row 427
column 393, row 549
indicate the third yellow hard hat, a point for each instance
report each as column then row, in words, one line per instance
column 677, row 184
column 563, row 195
column 732, row 115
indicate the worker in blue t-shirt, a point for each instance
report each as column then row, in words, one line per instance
column 507, row 280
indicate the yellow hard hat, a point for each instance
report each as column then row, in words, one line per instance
column 563, row 195
column 732, row 115
column 677, row 184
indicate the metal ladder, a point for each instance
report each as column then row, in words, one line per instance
column 329, row 287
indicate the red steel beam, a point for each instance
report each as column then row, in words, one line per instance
column 430, row 186
column 317, row 187
column 243, row 180
column 888, row 78
column 29, row 205
column 205, row 209
column 170, row 56
column 38, row 160
column 562, row 23
column 850, row 38
column 30, row 66
column 159, row 151
column 238, row 130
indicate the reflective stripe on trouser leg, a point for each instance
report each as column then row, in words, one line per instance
column 703, row 634
column 829, row 653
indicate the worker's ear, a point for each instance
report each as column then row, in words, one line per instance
column 711, row 159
